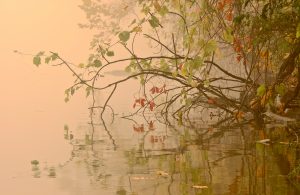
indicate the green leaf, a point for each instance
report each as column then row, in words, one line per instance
column 67, row 91
column 238, row 19
column 228, row 35
column 72, row 91
column 88, row 91
column 193, row 83
column 210, row 47
column 188, row 102
column 197, row 63
column 154, row 22
column 163, row 11
column 54, row 56
column 164, row 66
column 97, row 63
column 261, row 90
column 133, row 21
column 81, row 65
column 280, row 89
column 37, row 60
column 206, row 83
column 47, row 59
column 110, row 53
column 174, row 74
column 124, row 36
column 128, row 69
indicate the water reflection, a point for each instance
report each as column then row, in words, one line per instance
column 148, row 157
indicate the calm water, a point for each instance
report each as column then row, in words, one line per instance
column 77, row 157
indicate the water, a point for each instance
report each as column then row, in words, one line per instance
column 165, row 160
column 76, row 157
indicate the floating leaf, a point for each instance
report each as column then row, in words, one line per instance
column 35, row 162
column 200, row 187
column 121, row 192
column 263, row 141
column 162, row 173
column 52, row 172
column 124, row 36
column 298, row 31
column 66, row 127
column 67, row 99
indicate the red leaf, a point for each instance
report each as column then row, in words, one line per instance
column 139, row 129
column 152, row 90
column 180, row 66
column 151, row 125
column 152, row 139
column 229, row 16
column 151, row 105
column 157, row 90
column 142, row 102
column 228, row 2
column 211, row 101
column 238, row 58
column 163, row 89
column 220, row 6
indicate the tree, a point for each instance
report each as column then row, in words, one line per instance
column 231, row 55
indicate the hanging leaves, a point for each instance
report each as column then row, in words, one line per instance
column 155, row 89
column 140, row 101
